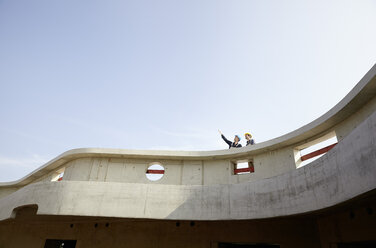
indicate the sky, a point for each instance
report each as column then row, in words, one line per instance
column 164, row 74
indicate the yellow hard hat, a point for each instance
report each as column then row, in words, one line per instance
column 248, row 134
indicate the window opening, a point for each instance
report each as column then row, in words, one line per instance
column 315, row 151
column 58, row 175
column 58, row 243
column 244, row 168
column 241, row 245
column 155, row 172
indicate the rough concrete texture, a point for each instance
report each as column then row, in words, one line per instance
column 102, row 185
column 110, row 185
column 146, row 233
column 353, row 221
column 278, row 153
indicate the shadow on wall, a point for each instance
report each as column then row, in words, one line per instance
column 25, row 212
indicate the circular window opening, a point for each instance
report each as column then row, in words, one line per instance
column 155, row 172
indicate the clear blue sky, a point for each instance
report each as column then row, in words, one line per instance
column 166, row 74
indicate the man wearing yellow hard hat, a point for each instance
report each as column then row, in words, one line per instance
column 249, row 139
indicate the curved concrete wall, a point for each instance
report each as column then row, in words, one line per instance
column 202, row 186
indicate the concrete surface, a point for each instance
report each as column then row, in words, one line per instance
column 202, row 185
column 351, row 222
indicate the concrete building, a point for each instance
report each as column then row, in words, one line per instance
column 255, row 196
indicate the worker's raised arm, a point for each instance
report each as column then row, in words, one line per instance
column 226, row 140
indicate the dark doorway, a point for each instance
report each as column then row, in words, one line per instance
column 366, row 244
column 236, row 245
column 58, row 243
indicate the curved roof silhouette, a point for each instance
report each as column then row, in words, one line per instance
column 202, row 185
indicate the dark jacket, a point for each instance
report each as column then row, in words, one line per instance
column 250, row 142
column 230, row 144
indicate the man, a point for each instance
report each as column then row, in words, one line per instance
column 249, row 139
column 230, row 144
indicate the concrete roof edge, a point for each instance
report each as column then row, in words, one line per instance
column 363, row 92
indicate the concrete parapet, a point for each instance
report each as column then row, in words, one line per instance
column 203, row 185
